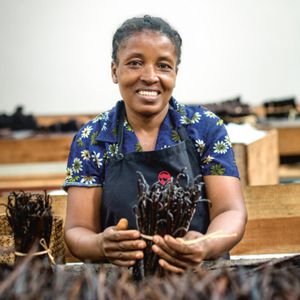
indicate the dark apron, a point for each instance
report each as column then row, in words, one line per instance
column 120, row 185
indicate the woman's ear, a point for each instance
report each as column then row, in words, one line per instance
column 114, row 72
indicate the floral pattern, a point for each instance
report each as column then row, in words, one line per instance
column 193, row 120
column 221, row 147
column 85, row 154
column 96, row 158
column 217, row 169
column 86, row 131
column 210, row 114
column 96, row 143
column 77, row 165
column 87, row 179
column 200, row 145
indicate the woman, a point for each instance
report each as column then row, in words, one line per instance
column 151, row 132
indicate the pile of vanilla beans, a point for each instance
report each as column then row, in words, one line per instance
column 35, row 279
column 30, row 217
column 164, row 209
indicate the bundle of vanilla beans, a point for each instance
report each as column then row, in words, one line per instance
column 34, row 279
column 30, row 217
column 164, row 209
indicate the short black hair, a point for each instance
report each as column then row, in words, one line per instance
column 138, row 24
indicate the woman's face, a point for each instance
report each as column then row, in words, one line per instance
column 146, row 72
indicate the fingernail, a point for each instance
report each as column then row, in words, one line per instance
column 161, row 263
column 141, row 245
column 139, row 256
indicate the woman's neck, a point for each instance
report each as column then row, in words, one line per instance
column 146, row 128
column 147, row 123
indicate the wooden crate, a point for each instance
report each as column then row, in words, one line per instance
column 31, row 182
column 289, row 140
column 273, row 220
column 288, row 135
column 290, row 172
column 43, row 148
column 34, row 153
column 258, row 162
column 47, row 120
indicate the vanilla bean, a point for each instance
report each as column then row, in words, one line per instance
column 30, row 217
column 165, row 209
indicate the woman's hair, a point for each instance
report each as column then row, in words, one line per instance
column 134, row 25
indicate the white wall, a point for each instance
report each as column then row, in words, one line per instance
column 55, row 54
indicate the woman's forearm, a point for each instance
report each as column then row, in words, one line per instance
column 229, row 222
column 85, row 244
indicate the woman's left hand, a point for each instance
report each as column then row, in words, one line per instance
column 175, row 255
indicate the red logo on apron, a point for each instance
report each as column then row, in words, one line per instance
column 164, row 177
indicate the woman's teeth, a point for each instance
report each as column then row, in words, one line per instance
column 148, row 93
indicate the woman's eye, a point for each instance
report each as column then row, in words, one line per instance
column 164, row 66
column 134, row 63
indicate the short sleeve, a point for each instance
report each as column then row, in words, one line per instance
column 85, row 162
column 215, row 149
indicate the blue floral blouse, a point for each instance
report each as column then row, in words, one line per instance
column 96, row 142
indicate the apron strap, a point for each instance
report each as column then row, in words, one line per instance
column 120, row 123
column 181, row 130
column 183, row 133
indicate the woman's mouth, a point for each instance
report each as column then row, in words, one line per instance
column 148, row 93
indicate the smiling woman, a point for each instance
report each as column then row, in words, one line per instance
column 145, row 70
column 150, row 132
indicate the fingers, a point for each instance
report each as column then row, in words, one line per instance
column 177, row 254
column 173, row 246
column 123, row 263
column 122, row 247
column 124, row 252
column 113, row 234
column 161, row 243
column 179, row 246
column 122, row 224
column 171, row 260
column 122, row 255
column 164, row 264
column 126, row 245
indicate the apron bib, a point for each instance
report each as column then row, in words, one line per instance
column 120, row 185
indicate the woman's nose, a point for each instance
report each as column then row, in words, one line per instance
column 149, row 74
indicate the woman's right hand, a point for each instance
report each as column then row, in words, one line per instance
column 116, row 244
column 120, row 246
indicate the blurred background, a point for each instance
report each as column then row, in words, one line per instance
column 55, row 55
column 240, row 59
